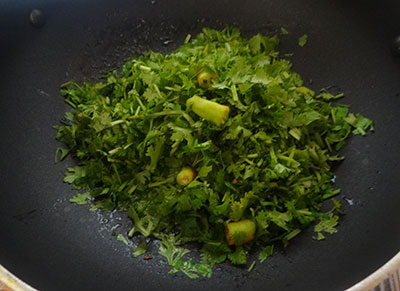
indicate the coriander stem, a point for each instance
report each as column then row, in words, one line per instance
column 116, row 122
column 114, row 151
column 157, row 114
column 140, row 102
column 187, row 39
column 173, row 89
column 116, row 172
column 145, row 68
column 272, row 154
column 291, row 155
column 132, row 189
column 137, row 111
column 70, row 103
column 285, row 158
column 305, row 212
column 158, row 91
column 156, row 184
column 235, row 96
column 252, row 156
column 188, row 118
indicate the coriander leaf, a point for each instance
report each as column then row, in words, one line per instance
column 262, row 219
column 255, row 43
column 309, row 117
column 284, row 31
column 239, row 256
column 170, row 251
column 265, row 253
column 360, row 123
column 280, row 218
column 61, row 153
column 238, row 207
column 175, row 254
column 154, row 153
column 215, row 252
column 204, row 171
column 260, row 77
column 140, row 249
column 150, row 94
column 74, row 174
column 327, row 224
column 80, row 198
column 303, row 40
column 281, row 170
column 122, row 239
column 101, row 121
column 328, row 96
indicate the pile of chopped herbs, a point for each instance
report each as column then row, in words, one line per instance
column 253, row 144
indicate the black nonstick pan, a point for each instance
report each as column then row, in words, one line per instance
column 55, row 245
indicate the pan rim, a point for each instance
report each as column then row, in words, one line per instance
column 390, row 270
column 9, row 281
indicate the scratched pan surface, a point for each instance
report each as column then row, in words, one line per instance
column 54, row 245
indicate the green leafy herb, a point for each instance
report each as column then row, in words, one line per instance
column 265, row 253
column 122, row 239
column 303, row 40
column 81, row 198
column 327, row 224
column 284, row 31
column 174, row 255
column 61, row 153
column 140, row 249
column 239, row 256
column 217, row 132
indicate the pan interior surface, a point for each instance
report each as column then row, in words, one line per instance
column 55, row 245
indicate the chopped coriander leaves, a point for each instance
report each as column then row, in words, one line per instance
column 246, row 147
